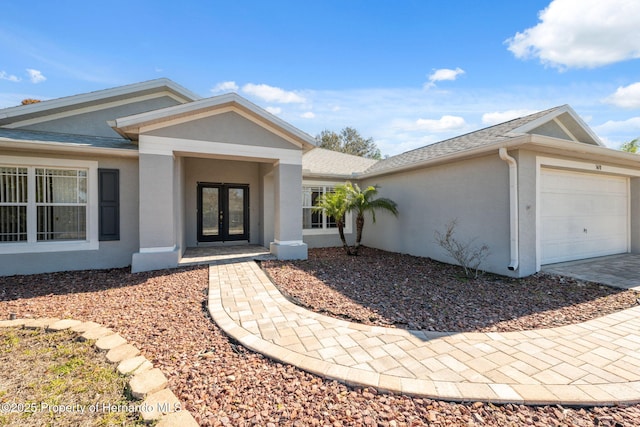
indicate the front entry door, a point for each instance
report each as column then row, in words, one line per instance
column 223, row 212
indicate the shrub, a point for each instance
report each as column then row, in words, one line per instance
column 468, row 255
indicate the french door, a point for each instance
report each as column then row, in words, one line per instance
column 223, row 212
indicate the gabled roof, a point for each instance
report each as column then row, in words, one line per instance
column 130, row 126
column 563, row 117
column 74, row 102
column 328, row 163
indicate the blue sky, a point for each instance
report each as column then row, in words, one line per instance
column 407, row 73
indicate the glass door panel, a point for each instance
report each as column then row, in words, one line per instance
column 210, row 211
column 236, row 215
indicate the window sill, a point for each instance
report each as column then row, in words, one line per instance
column 23, row 248
column 323, row 231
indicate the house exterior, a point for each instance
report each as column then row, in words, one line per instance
column 137, row 174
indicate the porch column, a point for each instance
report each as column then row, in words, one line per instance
column 288, row 242
column 158, row 247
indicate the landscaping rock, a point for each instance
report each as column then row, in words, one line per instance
column 95, row 333
column 108, row 342
column 64, row 324
column 147, row 382
column 121, row 353
column 15, row 323
column 162, row 402
column 41, row 323
column 85, row 326
column 161, row 313
column 129, row 365
column 396, row 290
column 178, row 419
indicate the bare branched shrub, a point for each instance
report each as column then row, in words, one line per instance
column 468, row 255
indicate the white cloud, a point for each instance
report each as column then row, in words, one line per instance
column 35, row 76
column 582, row 34
column 272, row 94
column 388, row 115
column 274, row 110
column 626, row 96
column 229, row 86
column 5, row 76
column 504, row 116
column 614, row 133
column 443, row 74
column 614, row 126
column 308, row 115
column 444, row 124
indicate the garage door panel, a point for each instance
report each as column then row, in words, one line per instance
column 582, row 215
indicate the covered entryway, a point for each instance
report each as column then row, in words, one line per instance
column 216, row 170
column 583, row 215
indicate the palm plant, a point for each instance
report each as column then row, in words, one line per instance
column 336, row 204
column 362, row 201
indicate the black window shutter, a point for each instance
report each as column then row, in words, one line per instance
column 109, row 204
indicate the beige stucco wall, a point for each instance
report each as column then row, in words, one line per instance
column 229, row 127
column 474, row 192
column 267, row 204
column 527, row 208
column 110, row 253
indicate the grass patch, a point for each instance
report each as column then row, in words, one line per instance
column 55, row 379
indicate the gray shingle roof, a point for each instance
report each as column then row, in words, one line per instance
column 326, row 162
column 67, row 139
column 68, row 103
column 479, row 138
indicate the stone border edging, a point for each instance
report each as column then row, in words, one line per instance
column 146, row 382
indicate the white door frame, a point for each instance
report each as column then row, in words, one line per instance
column 584, row 167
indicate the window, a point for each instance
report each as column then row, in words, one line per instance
column 45, row 206
column 13, row 204
column 61, row 204
column 311, row 219
column 316, row 222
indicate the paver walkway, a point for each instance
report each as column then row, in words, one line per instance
column 620, row 271
column 592, row 363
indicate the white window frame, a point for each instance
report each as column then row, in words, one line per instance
column 32, row 245
column 348, row 220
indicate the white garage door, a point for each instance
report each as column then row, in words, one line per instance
column 582, row 215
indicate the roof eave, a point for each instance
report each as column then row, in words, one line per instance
column 550, row 143
column 473, row 152
column 573, row 147
column 48, row 146
column 318, row 175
